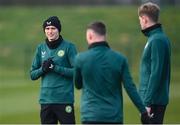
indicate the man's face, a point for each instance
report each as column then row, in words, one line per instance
column 52, row 33
column 142, row 21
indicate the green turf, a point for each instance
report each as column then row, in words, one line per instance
column 19, row 104
column 21, row 31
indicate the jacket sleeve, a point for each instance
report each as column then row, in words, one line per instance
column 131, row 88
column 67, row 71
column 157, row 58
column 77, row 74
column 36, row 69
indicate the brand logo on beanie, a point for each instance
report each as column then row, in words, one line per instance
column 48, row 23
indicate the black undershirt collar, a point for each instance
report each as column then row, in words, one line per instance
column 103, row 43
column 54, row 44
column 147, row 30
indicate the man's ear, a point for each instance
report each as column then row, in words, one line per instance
column 145, row 19
column 90, row 35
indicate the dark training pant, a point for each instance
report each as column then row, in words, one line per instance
column 54, row 113
column 158, row 111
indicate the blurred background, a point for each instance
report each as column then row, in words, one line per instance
column 21, row 31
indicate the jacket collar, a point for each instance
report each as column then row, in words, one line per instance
column 54, row 44
column 148, row 30
column 102, row 43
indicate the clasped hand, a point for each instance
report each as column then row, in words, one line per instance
column 48, row 65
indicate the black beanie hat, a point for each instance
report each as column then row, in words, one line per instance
column 52, row 21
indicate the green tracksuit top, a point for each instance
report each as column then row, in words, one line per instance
column 100, row 72
column 57, row 85
column 155, row 68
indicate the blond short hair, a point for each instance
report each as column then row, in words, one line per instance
column 151, row 10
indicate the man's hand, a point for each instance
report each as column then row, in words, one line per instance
column 48, row 65
column 149, row 112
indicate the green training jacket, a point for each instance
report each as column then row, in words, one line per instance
column 155, row 68
column 57, row 85
column 101, row 72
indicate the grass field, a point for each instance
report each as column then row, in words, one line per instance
column 21, row 31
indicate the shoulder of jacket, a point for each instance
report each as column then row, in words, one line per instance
column 83, row 54
column 157, row 39
column 79, row 57
column 117, row 54
column 40, row 45
column 69, row 43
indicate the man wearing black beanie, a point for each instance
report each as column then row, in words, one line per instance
column 54, row 63
column 52, row 21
